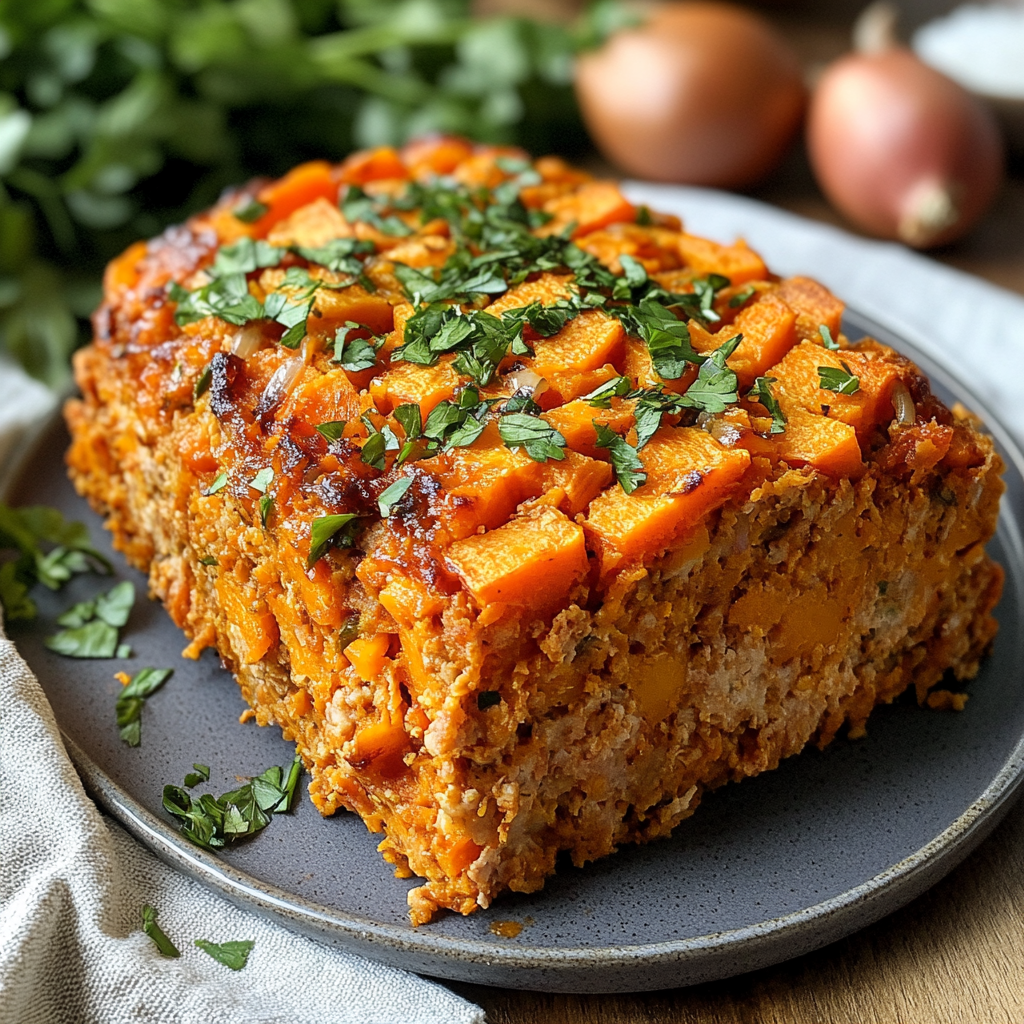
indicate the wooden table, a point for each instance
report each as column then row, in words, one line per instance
column 956, row 953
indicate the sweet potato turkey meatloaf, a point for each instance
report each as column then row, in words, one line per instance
column 528, row 516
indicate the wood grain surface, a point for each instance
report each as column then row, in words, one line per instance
column 955, row 954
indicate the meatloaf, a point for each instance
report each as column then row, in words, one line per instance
column 526, row 515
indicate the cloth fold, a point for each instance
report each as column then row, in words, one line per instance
column 72, row 883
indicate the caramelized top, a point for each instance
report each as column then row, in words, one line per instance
column 479, row 372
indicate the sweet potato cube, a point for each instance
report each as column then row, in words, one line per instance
column 426, row 386
column 574, row 482
column 575, row 422
column 256, row 625
column 799, row 385
column 738, row 262
column 768, row 334
column 653, row 247
column 430, row 156
column 547, row 290
column 323, row 398
column 815, row 440
column 586, row 342
column 593, row 205
column 688, row 475
column 814, row 305
column 299, row 187
column 378, row 164
column 368, row 654
column 564, row 387
column 315, row 224
column 533, row 560
column 639, row 367
column 425, row 251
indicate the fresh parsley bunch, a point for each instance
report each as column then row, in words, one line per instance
column 118, row 117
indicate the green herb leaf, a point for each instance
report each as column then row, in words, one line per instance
column 743, row 296
column 262, row 480
column 826, row 338
column 762, row 392
column 356, row 205
column 354, row 354
column 266, row 507
column 409, row 416
column 716, row 386
column 332, row 430
column 667, row 338
column 231, row 954
column 202, row 384
column 250, row 211
column 201, row 774
column 393, row 494
column 131, row 699
column 842, row 382
column 328, row 530
column 629, row 470
column 155, row 932
column 95, row 639
column 218, row 484
column 115, row 605
column 536, row 437
column 349, row 630
column 208, row 560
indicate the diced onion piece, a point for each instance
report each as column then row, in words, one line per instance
column 906, row 412
column 280, row 384
column 527, row 381
column 247, row 341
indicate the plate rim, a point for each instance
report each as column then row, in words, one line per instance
column 725, row 953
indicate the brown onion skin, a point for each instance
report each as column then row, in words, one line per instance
column 702, row 93
column 884, row 127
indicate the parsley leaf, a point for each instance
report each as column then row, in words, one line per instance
column 536, row 437
column 625, row 461
column 201, row 774
column 762, row 392
column 356, row 205
column 456, row 424
column 219, row 482
column 93, row 640
column 354, row 354
column 131, row 699
column 231, row 954
column 338, row 254
column 115, row 605
column 742, row 296
column 826, row 338
column 601, row 397
column 332, row 430
column 393, row 494
column 156, row 933
column 262, row 480
column 842, row 382
column 328, row 530
column 93, row 625
column 667, row 338
column 716, row 386
column 250, row 211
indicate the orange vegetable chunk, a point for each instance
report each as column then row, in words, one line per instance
column 299, row 187
column 799, row 385
column 768, row 333
column 425, row 386
column 323, row 398
column 815, row 440
column 688, row 475
column 257, row 627
column 586, row 342
column 373, row 165
column 368, row 654
column 315, row 224
column 547, row 290
column 595, row 204
column 814, row 305
column 532, row 560
column 575, row 422
column 738, row 262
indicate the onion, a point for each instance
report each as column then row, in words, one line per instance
column 901, row 150
column 527, row 381
column 279, row 385
column 247, row 341
column 906, row 412
column 705, row 93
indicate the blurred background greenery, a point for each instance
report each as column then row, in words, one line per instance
column 118, row 117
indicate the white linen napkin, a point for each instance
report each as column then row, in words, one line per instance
column 72, row 882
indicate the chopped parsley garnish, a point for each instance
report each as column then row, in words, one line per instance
column 629, row 470
column 339, row 254
column 667, row 338
column 826, row 338
column 349, row 630
column 393, row 494
column 218, row 483
column 336, row 530
column 356, row 205
column 91, row 626
column 131, row 699
column 537, row 438
column 354, row 354
column 332, row 430
column 211, row 822
column 716, row 385
column 231, row 954
column 156, row 933
column 742, row 296
column 762, row 392
column 266, row 507
column 202, row 384
column 208, row 560
column 842, row 382
column 250, row 211
column 201, row 774
column 380, row 440
column 262, row 480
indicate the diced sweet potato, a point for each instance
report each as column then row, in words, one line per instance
column 814, row 305
column 426, row 386
column 298, row 188
column 586, row 342
column 575, row 422
column 441, row 155
column 380, row 748
column 738, row 262
column 572, row 483
column 256, row 624
column 798, row 385
column 593, row 205
column 638, row 365
column 564, row 387
column 688, row 475
column 425, row 251
column 481, row 170
column 313, row 225
column 768, row 333
column 409, row 601
column 815, row 440
column 323, row 398
column 653, row 247
column 531, row 561
column 368, row 654
column 372, row 165
column 546, row 289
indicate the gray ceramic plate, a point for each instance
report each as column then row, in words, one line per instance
column 766, row 870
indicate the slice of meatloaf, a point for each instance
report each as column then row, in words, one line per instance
column 528, row 516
